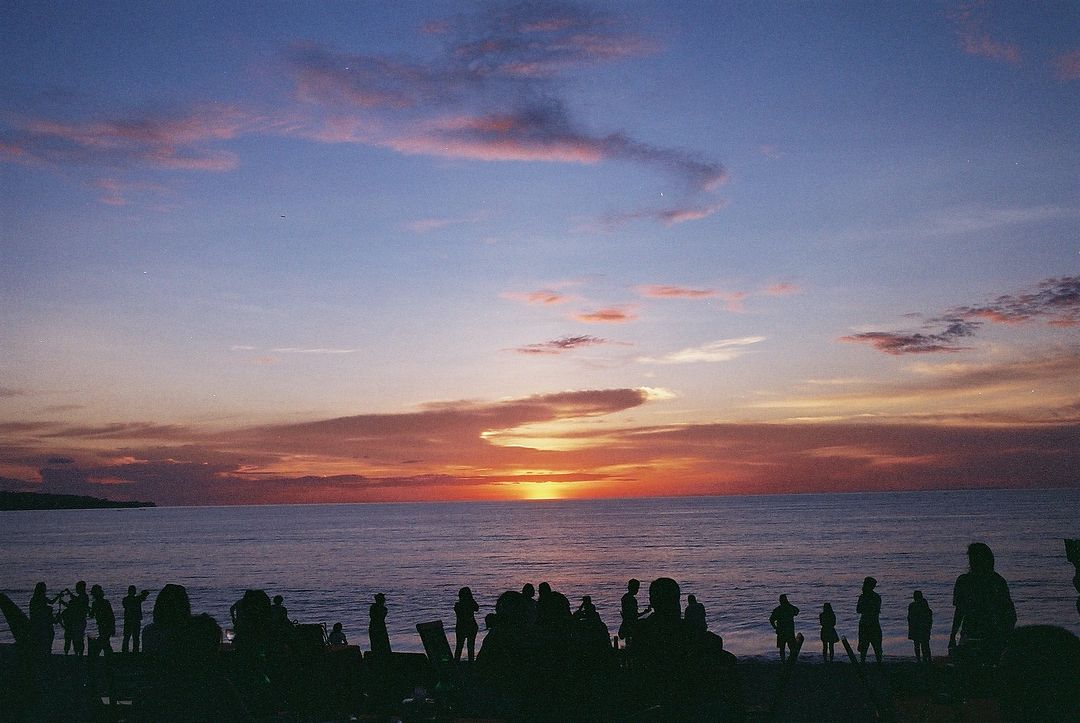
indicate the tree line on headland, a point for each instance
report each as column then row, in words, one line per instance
column 10, row 500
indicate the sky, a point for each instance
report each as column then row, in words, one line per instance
column 366, row 251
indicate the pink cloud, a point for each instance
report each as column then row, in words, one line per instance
column 1067, row 65
column 970, row 21
column 607, row 315
column 560, row 346
column 543, row 297
column 782, row 288
column 660, row 291
column 172, row 142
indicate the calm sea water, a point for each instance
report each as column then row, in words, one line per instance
column 737, row 554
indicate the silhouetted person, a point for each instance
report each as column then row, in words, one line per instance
column 695, row 614
column 869, row 610
column 78, row 609
column 1072, row 553
column 41, row 620
column 827, row 621
column 465, row 627
column 182, row 649
column 528, row 592
column 920, row 620
column 1038, row 675
column 552, row 607
column 984, row 614
column 782, row 621
column 681, row 669
column 251, row 616
column 133, row 616
column 279, row 614
column 378, row 637
column 337, row 636
column 628, row 610
column 586, row 610
column 102, row 612
column 506, row 663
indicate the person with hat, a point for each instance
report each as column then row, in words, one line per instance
column 869, row 610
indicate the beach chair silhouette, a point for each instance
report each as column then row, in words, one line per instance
column 436, row 646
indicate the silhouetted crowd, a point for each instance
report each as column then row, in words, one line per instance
column 539, row 658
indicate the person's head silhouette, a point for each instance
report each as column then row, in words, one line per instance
column 97, row 592
column 172, row 605
column 783, row 600
column 664, row 595
column 528, row 590
column 868, row 584
column 633, row 585
column 980, row 558
column 131, row 589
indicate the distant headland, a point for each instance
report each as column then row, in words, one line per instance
column 39, row 501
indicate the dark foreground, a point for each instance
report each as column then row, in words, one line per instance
column 342, row 684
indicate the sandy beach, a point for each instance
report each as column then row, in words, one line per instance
column 808, row 691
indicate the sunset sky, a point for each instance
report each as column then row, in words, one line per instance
column 395, row 251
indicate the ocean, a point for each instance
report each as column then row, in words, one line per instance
column 736, row 554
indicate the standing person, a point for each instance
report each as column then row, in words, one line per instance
column 920, row 619
column 132, row 603
column 869, row 610
column 827, row 620
column 78, row 610
column 465, row 627
column 984, row 612
column 102, row 612
column 628, row 609
column 378, row 637
column 695, row 614
column 783, row 622
column 41, row 620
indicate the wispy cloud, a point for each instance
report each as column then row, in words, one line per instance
column 425, row 225
column 607, row 315
column 1055, row 301
column 183, row 141
column 664, row 291
column 900, row 342
column 970, row 20
column 1067, row 65
column 717, row 351
column 494, row 94
column 7, row 392
column 542, row 297
column 668, row 216
column 782, row 288
column 561, row 345
column 312, row 350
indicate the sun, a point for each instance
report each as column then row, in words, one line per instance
column 539, row 491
